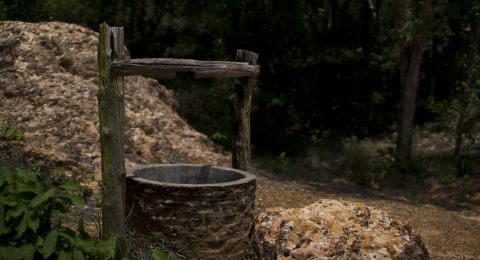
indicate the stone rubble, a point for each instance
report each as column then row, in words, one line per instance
column 334, row 229
column 48, row 85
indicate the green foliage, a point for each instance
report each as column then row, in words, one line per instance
column 282, row 161
column 27, row 205
column 416, row 166
column 366, row 162
column 11, row 132
column 3, row 10
column 446, row 179
column 159, row 255
column 207, row 106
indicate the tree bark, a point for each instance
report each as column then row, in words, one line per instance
column 241, row 151
column 111, row 110
column 411, row 54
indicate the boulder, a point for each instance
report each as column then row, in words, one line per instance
column 334, row 229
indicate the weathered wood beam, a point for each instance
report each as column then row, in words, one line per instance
column 241, row 151
column 167, row 68
column 111, row 109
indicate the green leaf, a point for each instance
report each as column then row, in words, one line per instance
column 75, row 200
column 65, row 255
column 2, row 220
column 26, row 187
column 70, row 185
column 8, row 201
column 28, row 251
column 22, row 226
column 11, row 253
column 42, row 197
column 50, row 243
column 39, row 243
column 81, row 230
column 16, row 212
column 34, row 223
column 68, row 234
column 26, row 175
column 120, row 247
column 3, row 252
column 78, row 255
column 159, row 255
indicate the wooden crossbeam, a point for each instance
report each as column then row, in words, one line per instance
column 167, row 68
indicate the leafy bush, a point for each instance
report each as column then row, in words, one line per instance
column 27, row 205
column 366, row 162
column 10, row 132
column 415, row 166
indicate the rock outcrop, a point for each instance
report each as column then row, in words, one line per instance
column 48, row 85
column 332, row 229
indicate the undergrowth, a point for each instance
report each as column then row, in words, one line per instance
column 31, row 210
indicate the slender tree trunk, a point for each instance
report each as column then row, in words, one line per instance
column 410, row 61
column 460, row 127
column 411, row 53
column 464, row 124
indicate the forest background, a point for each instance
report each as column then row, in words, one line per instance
column 331, row 71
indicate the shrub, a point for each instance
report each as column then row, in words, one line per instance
column 27, row 207
column 415, row 166
column 367, row 162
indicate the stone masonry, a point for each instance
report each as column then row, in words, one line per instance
column 205, row 221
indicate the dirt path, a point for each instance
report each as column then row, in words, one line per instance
column 447, row 234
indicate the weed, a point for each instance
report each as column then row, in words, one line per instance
column 446, row 179
column 282, row 161
column 143, row 246
column 11, row 132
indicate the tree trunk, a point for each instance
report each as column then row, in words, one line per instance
column 410, row 61
column 460, row 127
column 411, row 53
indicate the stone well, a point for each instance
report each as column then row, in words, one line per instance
column 205, row 212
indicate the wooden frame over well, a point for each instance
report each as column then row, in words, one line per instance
column 112, row 66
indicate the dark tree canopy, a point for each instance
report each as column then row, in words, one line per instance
column 328, row 66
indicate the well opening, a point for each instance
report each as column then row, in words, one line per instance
column 188, row 174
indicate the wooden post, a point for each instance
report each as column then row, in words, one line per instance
column 241, row 151
column 111, row 109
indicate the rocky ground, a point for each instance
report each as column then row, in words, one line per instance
column 48, row 83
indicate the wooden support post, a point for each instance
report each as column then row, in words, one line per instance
column 111, row 109
column 241, row 151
